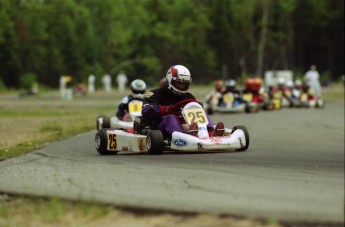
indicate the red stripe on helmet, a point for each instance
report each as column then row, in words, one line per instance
column 173, row 71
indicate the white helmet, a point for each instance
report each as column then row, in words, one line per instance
column 179, row 79
column 281, row 81
column 289, row 83
column 230, row 83
column 138, row 87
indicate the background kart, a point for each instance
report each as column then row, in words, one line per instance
column 110, row 141
column 229, row 103
column 260, row 100
column 134, row 110
column 305, row 100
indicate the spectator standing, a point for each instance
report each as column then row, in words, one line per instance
column 121, row 81
column 312, row 78
column 91, row 83
column 106, row 80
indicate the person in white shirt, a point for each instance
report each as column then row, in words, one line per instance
column 91, row 83
column 106, row 80
column 312, row 79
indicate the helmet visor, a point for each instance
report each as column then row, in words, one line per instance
column 180, row 85
column 138, row 91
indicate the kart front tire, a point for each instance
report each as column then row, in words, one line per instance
column 101, row 141
column 246, row 135
column 155, row 142
column 105, row 123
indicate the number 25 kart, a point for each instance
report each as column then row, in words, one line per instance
column 134, row 110
column 146, row 139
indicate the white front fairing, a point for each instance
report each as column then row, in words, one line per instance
column 193, row 112
column 184, row 142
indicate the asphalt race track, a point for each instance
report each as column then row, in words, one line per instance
column 292, row 171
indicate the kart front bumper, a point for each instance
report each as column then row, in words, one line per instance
column 184, row 142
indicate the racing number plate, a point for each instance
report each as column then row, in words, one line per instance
column 228, row 98
column 248, row 97
column 112, row 143
column 196, row 115
column 135, row 107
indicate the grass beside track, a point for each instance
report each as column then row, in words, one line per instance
column 28, row 123
column 32, row 122
column 26, row 211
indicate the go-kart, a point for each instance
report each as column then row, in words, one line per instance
column 148, row 139
column 229, row 103
column 260, row 100
column 134, row 110
column 281, row 98
column 306, row 100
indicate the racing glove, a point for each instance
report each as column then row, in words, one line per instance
column 165, row 110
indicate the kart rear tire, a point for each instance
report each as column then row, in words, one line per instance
column 105, row 124
column 155, row 142
column 246, row 135
column 251, row 108
column 101, row 141
column 248, row 109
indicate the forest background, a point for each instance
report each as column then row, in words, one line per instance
column 40, row 40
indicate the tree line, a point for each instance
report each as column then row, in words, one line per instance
column 40, row 40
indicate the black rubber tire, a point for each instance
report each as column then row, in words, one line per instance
column 251, row 107
column 155, row 142
column 101, row 141
column 248, row 108
column 106, row 122
column 246, row 135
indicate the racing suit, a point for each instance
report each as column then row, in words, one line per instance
column 155, row 110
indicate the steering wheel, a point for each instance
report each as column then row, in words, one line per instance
column 178, row 106
column 184, row 102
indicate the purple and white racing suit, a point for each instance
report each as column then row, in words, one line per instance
column 155, row 110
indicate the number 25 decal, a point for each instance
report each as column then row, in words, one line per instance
column 196, row 116
column 112, row 142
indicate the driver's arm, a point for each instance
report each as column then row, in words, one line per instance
column 151, row 107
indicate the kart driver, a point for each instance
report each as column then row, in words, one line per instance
column 230, row 87
column 138, row 88
column 159, row 109
column 218, row 89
